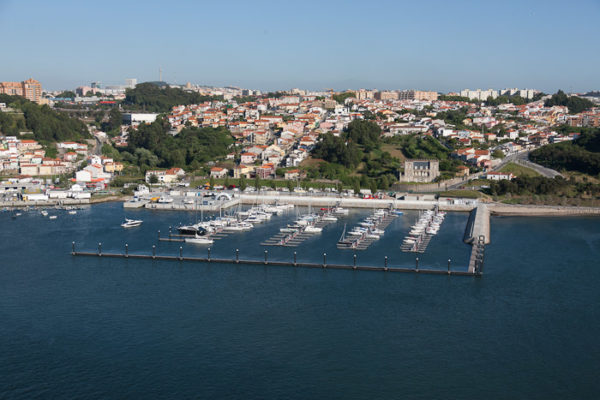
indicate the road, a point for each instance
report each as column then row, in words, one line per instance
column 523, row 159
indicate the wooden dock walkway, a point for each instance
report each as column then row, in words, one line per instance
column 267, row 262
column 363, row 242
column 293, row 239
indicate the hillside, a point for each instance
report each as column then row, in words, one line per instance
column 582, row 155
column 154, row 98
column 151, row 146
column 46, row 124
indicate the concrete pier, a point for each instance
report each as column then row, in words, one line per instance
column 477, row 234
column 198, row 206
column 478, row 225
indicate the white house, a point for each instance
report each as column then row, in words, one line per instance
column 169, row 176
column 499, row 176
column 217, row 172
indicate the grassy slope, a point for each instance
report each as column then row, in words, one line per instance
column 519, row 170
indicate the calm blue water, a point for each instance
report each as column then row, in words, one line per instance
column 74, row 327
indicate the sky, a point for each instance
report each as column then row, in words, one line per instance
column 269, row 45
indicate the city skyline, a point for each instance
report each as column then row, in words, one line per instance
column 270, row 46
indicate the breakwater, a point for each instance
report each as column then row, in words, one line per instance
column 266, row 262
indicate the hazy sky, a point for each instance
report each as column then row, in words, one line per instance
column 438, row 45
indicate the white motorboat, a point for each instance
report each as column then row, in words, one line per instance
column 330, row 218
column 238, row 227
column 356, row 232
column 312, row 229
column 44, row 213
column 72, row 212
column 340, row 210
column 52, row 217
column 199, row 240
column 128, row 223
column 164, row 199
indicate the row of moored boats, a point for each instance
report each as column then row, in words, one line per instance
column 427, row 225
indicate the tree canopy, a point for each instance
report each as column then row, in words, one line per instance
column 581, row 155
column 46, row 124
column 365, row 133
column 335, row 149
column 574, row 103
column 151, row 97
column 341, row 97
column 189, row 149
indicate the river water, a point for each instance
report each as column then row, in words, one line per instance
column 76, row 327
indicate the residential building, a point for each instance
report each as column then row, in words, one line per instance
column 242, row 170
column 417, row 95
column 499, row 176
column 169, row 176
column 218, row 172
column 294, row 174
column 30, row 89
column 137, row 118
column 479, row 94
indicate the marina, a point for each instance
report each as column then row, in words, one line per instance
column 220, row 234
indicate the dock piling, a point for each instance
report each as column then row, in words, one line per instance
column 126, row 250
column 449, row 261
column 266, row 254
column 159, row 234
column 417, row 264
column 100, row 249
column 354, row 266
column 237, row 256
column 180, row 253
column 385, row 263
column 170, row 232
column 295, row 263
column 153, row 251
column 208, row 251
column 73, row 248
column 324, row 260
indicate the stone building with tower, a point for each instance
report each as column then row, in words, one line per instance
column 420, row 171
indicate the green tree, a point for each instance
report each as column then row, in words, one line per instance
column 157, row 97
column 226, row 183
column 575, row 104
column 366, row 133
column 373, row 186
column 67, row 94
column 498, row 154
column 242, row 183
column 211, row 182
column 356, row 186
column 290, row 185
column 257, row 182
column 153, row 179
